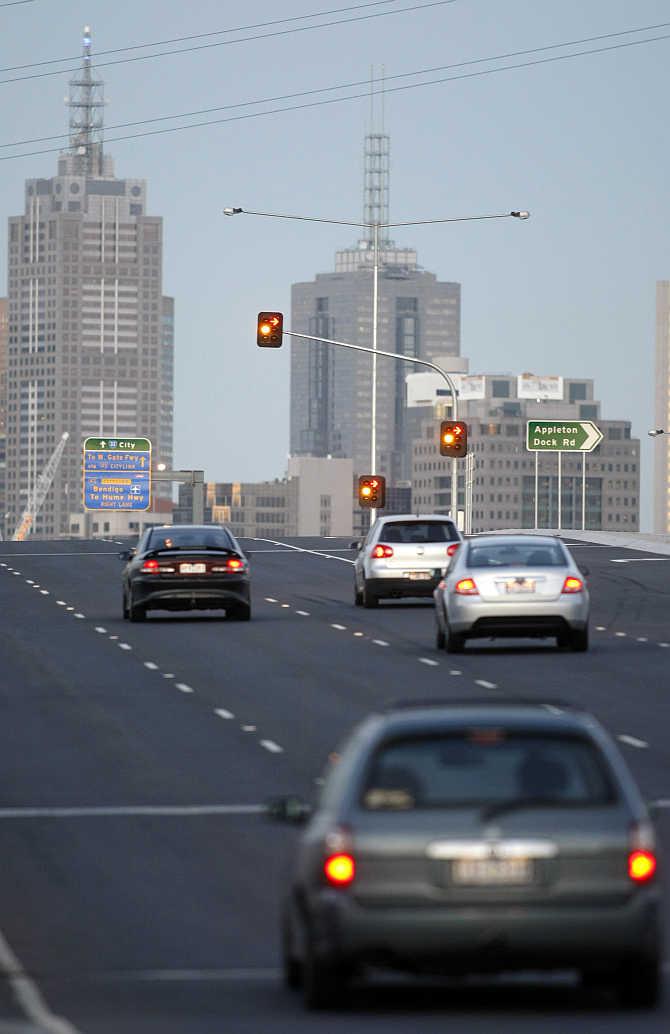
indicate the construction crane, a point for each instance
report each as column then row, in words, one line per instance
column 38, row 493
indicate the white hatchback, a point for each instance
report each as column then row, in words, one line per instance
column 403, row 555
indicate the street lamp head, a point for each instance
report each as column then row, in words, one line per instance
column 521, row 215
column 656, row 432
column 232, row 211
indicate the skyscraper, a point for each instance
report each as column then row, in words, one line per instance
column 87, row 333
column 662, row 409
column 331, row 388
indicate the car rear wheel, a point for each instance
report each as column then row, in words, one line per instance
column 242, row 612
column 291, row 966
column 579, row 640
column 135, row 612
column 639, row 983
column 323, row 982
column 358, row 596
column 369, row 598
column 440, row 638
column 454, row 642
column 126, row 612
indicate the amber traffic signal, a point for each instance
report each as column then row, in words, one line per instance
column 372, row 491
column 269, row 329
column 453, row 439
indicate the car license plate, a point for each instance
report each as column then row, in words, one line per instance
column 491, row 871
column 192, row 568
column 418, row 576
column 520, row 585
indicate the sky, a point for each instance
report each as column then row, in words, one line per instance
column 581, row 143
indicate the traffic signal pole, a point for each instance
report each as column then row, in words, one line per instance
column 374, row 352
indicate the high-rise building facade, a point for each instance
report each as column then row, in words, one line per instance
column 4, row 344
column 418, row 316
column 89, row 351
column 662, row 410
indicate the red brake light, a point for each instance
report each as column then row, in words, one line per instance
column 466, row 587
column 641, row 866
column 150, row 566
column 572, row 584
column 452, row 548
column 234, row 563
column 339, row 869
column 381, row 550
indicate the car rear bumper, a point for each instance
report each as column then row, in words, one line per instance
column 474, row 618
column 190, row 593
column 396, row 584
column 472, row 939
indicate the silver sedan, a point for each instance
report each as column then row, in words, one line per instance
column 512, row 585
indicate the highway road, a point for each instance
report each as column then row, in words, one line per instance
column 139, row 881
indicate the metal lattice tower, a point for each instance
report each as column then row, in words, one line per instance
column 376, row 181
column 86, row 103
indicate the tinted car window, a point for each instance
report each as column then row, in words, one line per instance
column 190, row 538
column 503, row 554
column 418, row 531
column 483, row 767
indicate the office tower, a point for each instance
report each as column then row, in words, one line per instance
column 662, row 410
column 331, row 388
column 87, row 332
column 4, row 344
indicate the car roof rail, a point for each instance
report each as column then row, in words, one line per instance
column 477, row 701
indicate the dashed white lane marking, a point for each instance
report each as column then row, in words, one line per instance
column 620, row 635
column 340, row 628
column 125, row 646
column 455, row 671
column 36, row 585
column 303, row 613
column 600, row 628
column 273, row 747
column 248, row 728
column 380, row 642
column 222, row 713
column 429, row 661
column 269, row 599
column 44, row 592
column 151, row 665
column 632, row 741
column 80, row 615
column 183, row 687
column 359, row 634
column 642, row 639
column 130, row 810
column 29, row 581
column 69, row 608
column 664, row 644
column 28, row 994
column 286, row 605
column 16, row 572
column 485, row 685
column 100, row 629
column 113, row 638
column 61, row 603
column 168, row 675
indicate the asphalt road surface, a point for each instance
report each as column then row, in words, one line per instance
column 139, row 880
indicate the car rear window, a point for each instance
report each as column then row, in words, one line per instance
column 512, row 554
column 418, row 531
column 485, row 766
column 190, row 538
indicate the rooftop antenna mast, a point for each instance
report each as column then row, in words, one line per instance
column 86, row 103
column 377, row 169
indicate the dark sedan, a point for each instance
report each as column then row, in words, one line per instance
column 186, row 567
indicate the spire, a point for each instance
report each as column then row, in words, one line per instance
column 86, row 103
column 377, row 166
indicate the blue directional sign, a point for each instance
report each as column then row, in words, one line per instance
column 117, row 473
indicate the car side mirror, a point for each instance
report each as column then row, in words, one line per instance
column 290, row 808
column 355, row 545
column 127, row 554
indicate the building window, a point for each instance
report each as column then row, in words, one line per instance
column 588, row 412
column 500, row 389
column 577, row 391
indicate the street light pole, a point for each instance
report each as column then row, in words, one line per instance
column 375, row 326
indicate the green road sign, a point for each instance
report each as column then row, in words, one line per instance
column 562, row 436
column 117, row 473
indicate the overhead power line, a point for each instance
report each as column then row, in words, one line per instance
column 358, row 83
column 232, row 42
column 16, row 3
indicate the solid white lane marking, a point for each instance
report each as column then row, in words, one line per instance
column 183, row 687
column 185, row 975
column 125, row 646
column 273, row 747
column 248, row 728
column 130, row 810
column 380, row 642
column 269, row 599
column 100, row 629
column 303, row 613
column 642, row 639
column 151, row 666
column 340, row 628
column 620, row 635
column 429, row 661
column 455, row 671
column 312, row 552
column 638, row 559
column 485, row 685
column 222, row 713
column 28, row 994
column 632, row 741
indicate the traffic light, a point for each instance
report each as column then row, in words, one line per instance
column 269, row 329
column 454, row 439
column 372, row 491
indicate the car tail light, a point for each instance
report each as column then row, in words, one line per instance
column 381, row 550
column 233, row 563
column 466, row 587
column 572, row 584
column 642, row 855
column 150, row 567
column 452, row 548
column 339, row 865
